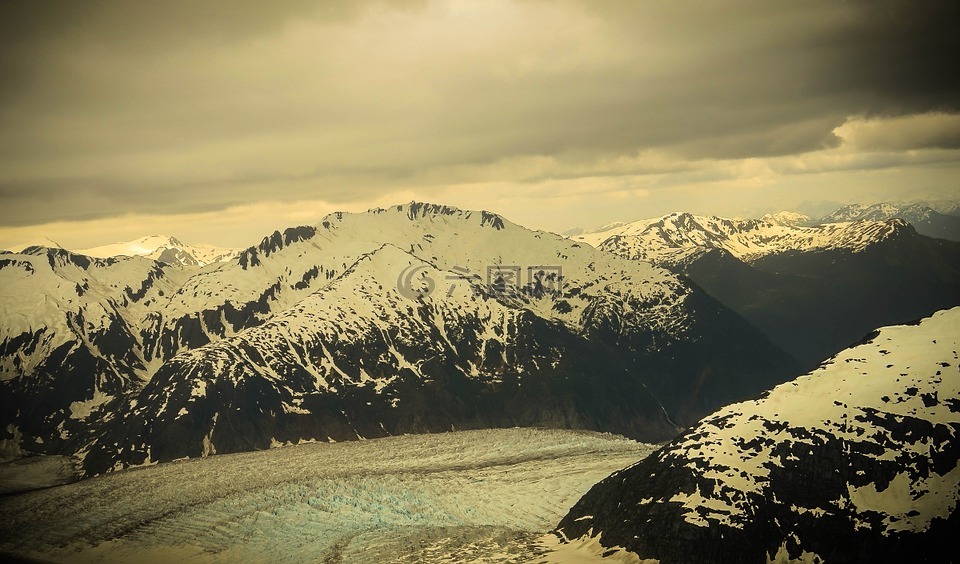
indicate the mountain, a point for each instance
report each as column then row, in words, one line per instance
column 811, row 290
column 38, row 242
column 414, row 318
column 859, row 461
column 924, row 219
column 165, row 249
column 788, row 218
column 69, row 342
column 946, row 207
column 357, row 359
column 680, row 237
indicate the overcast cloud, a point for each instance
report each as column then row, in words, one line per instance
column 118, row 117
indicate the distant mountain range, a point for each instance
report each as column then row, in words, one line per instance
column 940, row 220
column 165, row 249
column 409, row 319
column 924, row 218
column 162, row 248
column 855, row 462
column 680, row 238
column 812, row 289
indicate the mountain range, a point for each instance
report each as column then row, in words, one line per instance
column 939, row 220
column 161, row 248
column 165, row 249
column 812, row 290
column 415, row 318
column 858, row 461
column 424, row 318
column 925, row 219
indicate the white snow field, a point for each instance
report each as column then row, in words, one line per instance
column 468, row 496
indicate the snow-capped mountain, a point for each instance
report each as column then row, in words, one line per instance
column 924, row 219
column 680, row 237
column 69, row 338
column 857, row 461
column 788, row 218
column 812, row 290
column 299, row 338
column 38, row 242
column 358, row 359
column 872, row 212
column 165, row 249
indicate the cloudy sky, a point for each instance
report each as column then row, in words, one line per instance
column 219, row 121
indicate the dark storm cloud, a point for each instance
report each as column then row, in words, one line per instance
column 111, row 107
column 742, row 72
column 895, row 56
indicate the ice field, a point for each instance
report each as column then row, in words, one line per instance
column 490, row 495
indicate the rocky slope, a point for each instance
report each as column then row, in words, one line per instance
column 69, row 342
column 856, row 462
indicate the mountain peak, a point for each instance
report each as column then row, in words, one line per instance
column 788, row 218
column 38, row 242
column 414, row 211
column 164, row 248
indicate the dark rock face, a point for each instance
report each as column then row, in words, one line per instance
column 275, row 242
column 849, row 464
column 177, row 256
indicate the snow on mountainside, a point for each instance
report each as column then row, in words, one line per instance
column 788, row 218
column 872, row 212
column 287, row 267
column 165, row 249
column 297, row 339
column 858, row 461
column 812, row 290
column 923, row 217
column 357, row 359
column 946, row 207
column 408, row 337
column 69, row 339
column 680, row 237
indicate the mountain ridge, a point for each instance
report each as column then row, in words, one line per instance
column 677, row 237
column 166, row 249
column 811, row 290
column 925, row 219
column 856, row 461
